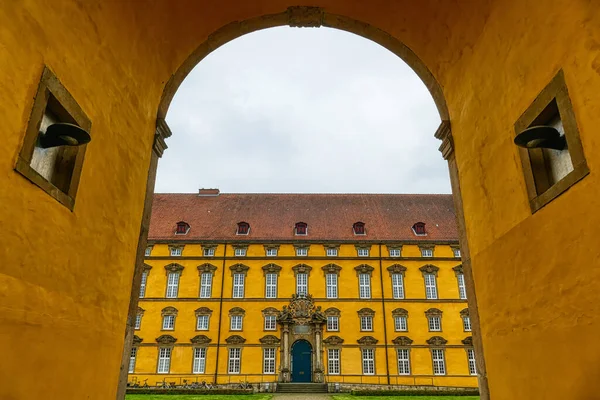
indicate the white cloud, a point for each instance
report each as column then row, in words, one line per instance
column 303, row 110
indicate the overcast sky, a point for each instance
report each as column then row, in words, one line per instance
column 303, row 111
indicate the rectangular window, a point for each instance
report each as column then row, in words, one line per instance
column 235, row 358
column 332, row 252
column 164, row 360
column 363, row 252
column 467, row 324
column 148, row 251
column 205, row 285
column 403, row 362
column 400, row 324
column 176, row 251
column 236, row 323
column 238, row 286
column 199, row 365
column 268, row 361
column 456, row 252
column 270, row 322
column 271, row 286
column 472, row 365
column 439, row 364
column 364, row 282
column 430, row 286
column 168, row 322
column 302, row 284
column 301, row 251
column 333, row 361
column 398, row 286
column 172, row 285
column 462, row 290
column 272, row 252
column 332, row 285
column 366, row 323
column 240, row 252
column 209, row 252
column 435, row 324
column 143, row 285
column 202, row 322
column 394, row 252
column 333, row 323
column 368, row 361
column 138, row 321
column 426, row 252
column 132, row 359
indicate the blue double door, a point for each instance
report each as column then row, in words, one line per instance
column 301, row 361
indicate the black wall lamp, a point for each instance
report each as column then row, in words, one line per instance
column 541, row 137
column 63, row 134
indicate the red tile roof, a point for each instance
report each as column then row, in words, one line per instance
column 387, row 217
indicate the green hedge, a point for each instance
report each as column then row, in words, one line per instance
column 415, row 392
column 189, row 391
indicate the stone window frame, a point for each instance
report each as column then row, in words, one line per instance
column 200, row 342
column 135, row 345
column 270, row 312
column 206, row 268
column 366, row 312
column 235, row 342
column 173, row 268
column 430, row 269
column 176, row 246
column 271, row 268
column 238, row 268
column 182, row 224
column 144, row 285
column 362, row 246
column 394, row 246
column 301, row 246
column 432, row 313
column 365, row 269
column 208, row 246
column 269, row 342
column 200, row 312
column 334, row 342
column 236, row 312
column 302, row 269
column 51, row 90
column 427, row 247
column 454, row 248
column 165, row 341
column 148, row 253
column 438, row 343
column 268, row 247
column 400, row 312
column 335, row 246
column 458, row 271
column 239, row 246
column 403, row 343
column 555, row 92
column 468, row 343
column 333, row 269
column 464, row 313
column 168, row 311
column 140, row 313
column 397, row 269
column 332, row 312
column 368, row 343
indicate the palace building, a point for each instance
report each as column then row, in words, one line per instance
column 348, row 288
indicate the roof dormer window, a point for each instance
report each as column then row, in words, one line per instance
column 243, row 228
column 359, row 228
column 301, row 228
column 182, row 228
column 419, row 229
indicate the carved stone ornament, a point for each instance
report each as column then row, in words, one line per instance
column 400, row 312
column 444, row 133
column 165, row 339
column 200, row 339
column 301, row 311
column 331, row 269
column 394, row 246
column 208, row 246
column 137, row 339
column 331, row 246
column 367, row 341
column 235, row 339
column 174, row 267
column 396, row 269
column 333, row 341
column 464, row 312
column 270, row 311
column 176, row 246
column 240, row 245
column 239, row 269
column 140, row 311
column 207, row 268
column 237, row 311
column 203, row 311
column 305, row 17
column 271, row 246
column 366, row 312
column 458, row 270
column 436, row 341
column 468, row 341
column 147, row 268
column 302, row 246
column 269, row 340
column 429, row 269
column 402, row 341
column 301, row 269
column 161, row 133
column 271, row 269
column 168, row 311
column 433, row 312
column 364, row 269
column 362, row 246
column 332, row 312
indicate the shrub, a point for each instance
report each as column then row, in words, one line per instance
column 424, row 392
column 196, row 392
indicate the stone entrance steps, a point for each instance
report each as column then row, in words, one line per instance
column 301, row 388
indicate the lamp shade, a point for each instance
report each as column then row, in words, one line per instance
column 545, row 137
column 64, row 134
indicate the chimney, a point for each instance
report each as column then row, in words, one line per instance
column 208, row 192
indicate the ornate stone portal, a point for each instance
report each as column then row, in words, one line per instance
column 301, row 320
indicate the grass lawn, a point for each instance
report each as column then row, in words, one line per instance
column 197, row 397
column 348, row 397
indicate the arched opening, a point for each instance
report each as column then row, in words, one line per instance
column 301, row 361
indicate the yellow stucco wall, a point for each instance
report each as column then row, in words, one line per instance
column 66, row 275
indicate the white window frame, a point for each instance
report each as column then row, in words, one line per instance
column 236, row 322
column 403, row 361
column 368, row 361
column 238, row 286
column 270, row 323
column 427, row 253
column 172, row 285
column 138, row 321
column 132, row 359
column 434, row 322
column 143, row 284
column 234, row 361
column 333, row 323
column 439, row 361
column 206, row 285
column 430, row 286
column 240, row 252
column 271, row 252
column 333, row 361
column 467, row 323
column 301, row 251
column 398, row 286
column 364, row 285
column 176, row 251
column 331, row 282
column 401, row 323
column 168, row 322
column 331, row 252
column 199, row 365
column 202, row 322
column 362, row 252
column 148, row 251
column 209, row 252
column 269, row 360
column 462, row 288
column 366, row 323
column 271, row 285
column 302, row 283
column 395, row 253
column 471, row 361
column 164, row 360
